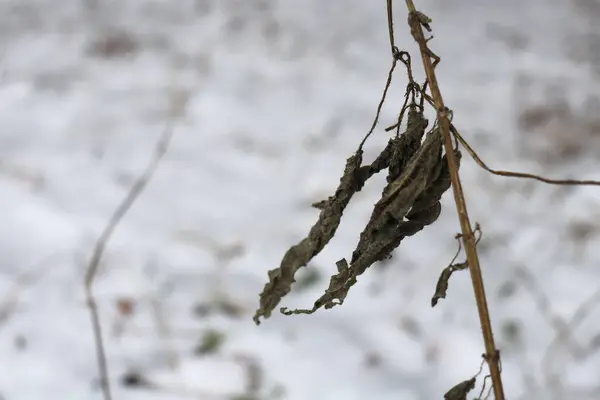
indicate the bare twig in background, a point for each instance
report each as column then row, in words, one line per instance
column 542, row 303
column 416, row 21
column 92, row 269
column 32, row 178
column 9, row 302
column 564, row 329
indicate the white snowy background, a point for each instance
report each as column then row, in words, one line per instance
column 268, row 99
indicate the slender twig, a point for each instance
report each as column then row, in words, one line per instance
column 388, row 82
column 567, row 333
column 390, row 15
column 513, row 174
column 492, row 355
column 562, row 328
column 93, row 265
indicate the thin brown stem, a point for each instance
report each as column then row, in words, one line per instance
column 388, row 83
column 492, row 355
column 513, row 174
column 94, row 263
column 390, row 15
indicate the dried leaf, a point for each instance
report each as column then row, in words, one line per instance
column 427, row 207
column 382, row 234
column 365, row 172
column 354, row 178
column 400, row 194
column 442, row 284
column 281, row 279
column 406, row 145
column 460, row 391
column 338, row 288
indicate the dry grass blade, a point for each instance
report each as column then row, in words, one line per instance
column 512, row 174
column 416, row 23
column 93, row 265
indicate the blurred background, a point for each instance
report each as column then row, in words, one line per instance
column 267, row 99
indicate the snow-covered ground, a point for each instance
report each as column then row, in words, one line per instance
column 270, row 98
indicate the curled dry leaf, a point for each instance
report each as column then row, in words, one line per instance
column 354, row 177
column 416, row 181
column 442, row 284
column 298, row 256
column 460, row 391
column 418, row 175
column 402, row 149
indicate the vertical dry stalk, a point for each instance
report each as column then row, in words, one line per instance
column 94, row 263
column 492, row 355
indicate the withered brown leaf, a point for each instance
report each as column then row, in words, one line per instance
column 298, row 256
column 461, row 390
column 381, row 235
column 441, row 287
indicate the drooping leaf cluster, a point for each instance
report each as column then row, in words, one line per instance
column 417, row 177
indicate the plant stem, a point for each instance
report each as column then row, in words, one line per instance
column 492, row 355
